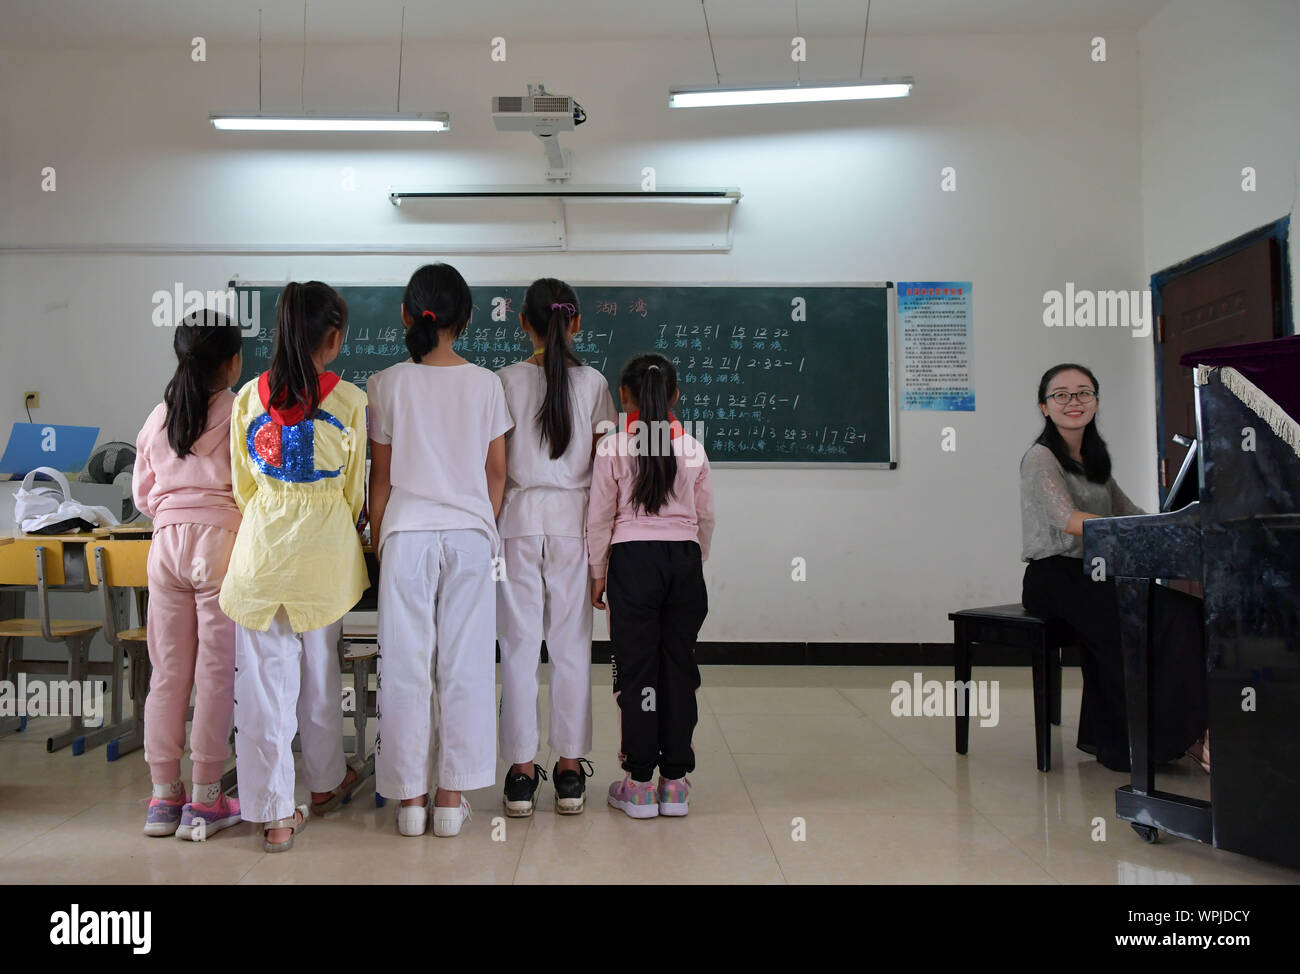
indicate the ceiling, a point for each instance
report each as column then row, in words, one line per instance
column 118, row 23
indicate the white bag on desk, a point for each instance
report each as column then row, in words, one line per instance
column 50, row 509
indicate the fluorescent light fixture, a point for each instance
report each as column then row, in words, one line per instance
column 409, row 122
column 719, row 96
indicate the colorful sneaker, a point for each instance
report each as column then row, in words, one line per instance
column 674, row 796
column 571, row 787
column 165, row 815
column 521, row 792
column 638, row 798
column 221, row 814
column 447, row 821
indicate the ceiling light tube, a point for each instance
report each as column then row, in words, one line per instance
column 406, row 122
column 714, row 96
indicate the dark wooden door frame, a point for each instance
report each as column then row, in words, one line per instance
column 1283, row 323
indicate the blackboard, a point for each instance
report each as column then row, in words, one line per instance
column 780, row 374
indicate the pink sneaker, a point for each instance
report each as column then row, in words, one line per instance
column 674, row 796
column 164, row 815
column 638, row 798
column 221, row 814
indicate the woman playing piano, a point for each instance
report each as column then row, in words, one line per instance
column 1064, row 480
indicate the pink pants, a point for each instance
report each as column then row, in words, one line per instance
column 191, row 646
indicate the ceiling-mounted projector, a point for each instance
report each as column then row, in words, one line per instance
column 545, row 115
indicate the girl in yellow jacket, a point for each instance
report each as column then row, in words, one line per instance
column 298, row 457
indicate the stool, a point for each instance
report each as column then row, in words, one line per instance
column 1011, row 625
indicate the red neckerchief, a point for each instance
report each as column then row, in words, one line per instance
column 296, row 414
column 674, row 427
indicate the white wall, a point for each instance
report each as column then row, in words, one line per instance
column 1219, row 93
column 1046, row 147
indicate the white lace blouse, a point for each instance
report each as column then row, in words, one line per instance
column 1049, row 495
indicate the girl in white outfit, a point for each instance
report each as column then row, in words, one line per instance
column 558, row 403
column 438, row 469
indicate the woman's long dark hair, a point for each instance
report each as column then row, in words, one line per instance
column 652, row 380
column 1096, row 458
column 549, row 307
column 304, row 317
column 205, row 341
column 437, row 299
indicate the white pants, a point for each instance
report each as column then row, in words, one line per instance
column 546, row 593
column 285, row 681
column 437, row 622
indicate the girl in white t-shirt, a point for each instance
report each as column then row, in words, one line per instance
column 438, row 469
column 559, row 403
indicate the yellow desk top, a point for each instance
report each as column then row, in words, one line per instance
column 124, row 530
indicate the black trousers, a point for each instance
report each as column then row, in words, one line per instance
column 1058, row 588
column 657, row 603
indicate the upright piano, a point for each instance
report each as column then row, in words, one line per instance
column 1241, row 540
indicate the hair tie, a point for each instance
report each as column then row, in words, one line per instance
column 429, row 314
column 653, row 366
column 571, row 309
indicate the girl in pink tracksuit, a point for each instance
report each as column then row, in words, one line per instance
column 182, row 482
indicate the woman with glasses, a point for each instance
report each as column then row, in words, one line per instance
column 1065, row 480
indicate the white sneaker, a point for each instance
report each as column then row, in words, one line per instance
column 412, row 819
column 447, row 821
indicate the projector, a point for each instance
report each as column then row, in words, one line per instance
column 543, row 114
column 539, row 113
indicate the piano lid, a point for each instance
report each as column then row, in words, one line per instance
column 1273, row 367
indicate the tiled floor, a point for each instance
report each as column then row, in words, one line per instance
column 804, row 776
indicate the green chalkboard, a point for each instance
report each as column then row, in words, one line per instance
column 785, row 374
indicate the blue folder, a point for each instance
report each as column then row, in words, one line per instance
column 32, row 445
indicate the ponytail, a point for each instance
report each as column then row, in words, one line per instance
column 205, row 341
column 438, row 300
column 553, row 303
column 653, row 381
column 305, row 315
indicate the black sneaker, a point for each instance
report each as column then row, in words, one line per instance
column 521, row 792
column 571, row 788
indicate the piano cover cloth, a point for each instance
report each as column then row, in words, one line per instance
column 1253, row 398
column 1273, row 367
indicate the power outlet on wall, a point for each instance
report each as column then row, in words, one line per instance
column 32, row 400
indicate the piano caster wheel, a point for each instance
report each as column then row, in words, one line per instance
column 1150, row 834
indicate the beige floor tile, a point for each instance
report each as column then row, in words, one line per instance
column 360, row 843
column 819, row 734
column 1069, row 852
column 109, row 847
column 777, row 700
column 888, row 848
column 865, row 782
column 883, row 798
column 720, row 841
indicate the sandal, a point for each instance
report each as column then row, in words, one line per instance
column 1200, row 753
column 297, row 821
column 343, row 792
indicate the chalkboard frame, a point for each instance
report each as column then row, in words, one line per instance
column 891, row 310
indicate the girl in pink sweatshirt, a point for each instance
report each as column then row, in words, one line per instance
column 182, row 482
column 649, row 525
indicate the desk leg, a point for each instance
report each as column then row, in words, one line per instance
column 78, row 653
column 961, row 668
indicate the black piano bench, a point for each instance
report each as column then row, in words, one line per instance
column 1011, row 625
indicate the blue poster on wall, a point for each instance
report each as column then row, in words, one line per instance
column 935, row 326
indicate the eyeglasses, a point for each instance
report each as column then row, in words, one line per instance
column 1065, row 398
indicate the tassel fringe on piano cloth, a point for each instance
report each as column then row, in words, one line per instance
column 1287, row 429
